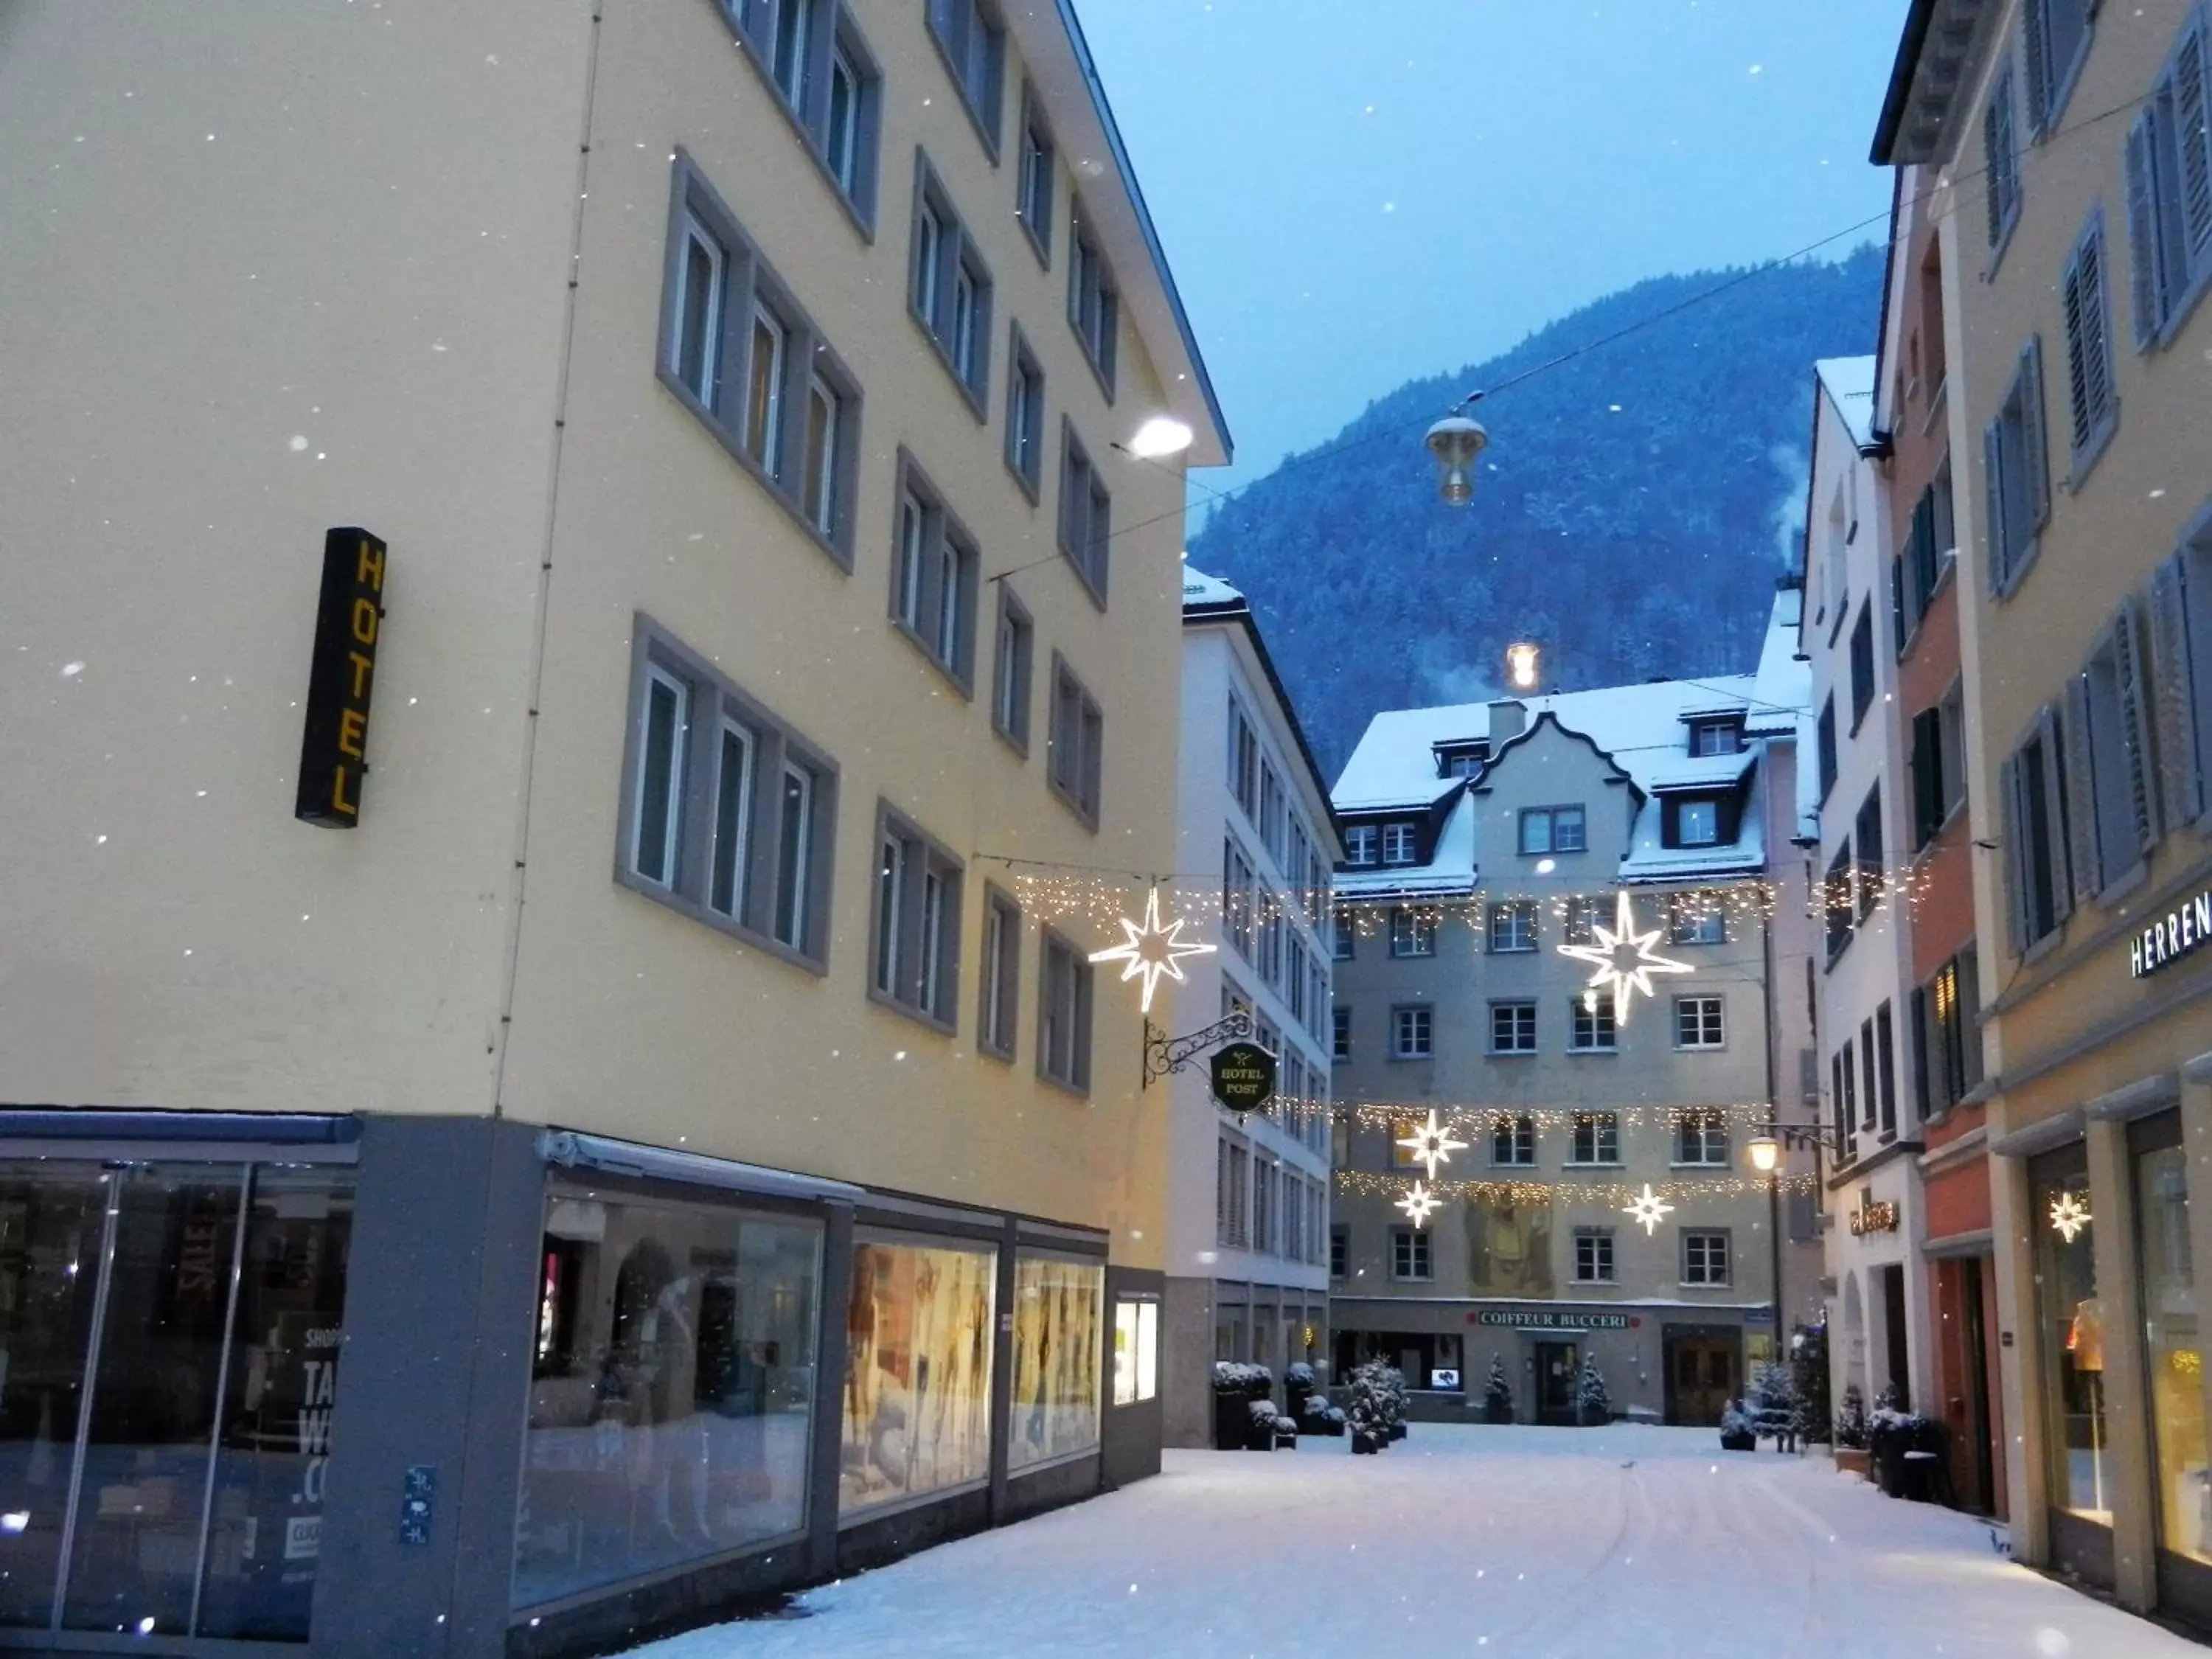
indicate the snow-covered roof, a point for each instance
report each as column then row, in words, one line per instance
column 1693, row 771
column 1848, row 382
column 1202, row 591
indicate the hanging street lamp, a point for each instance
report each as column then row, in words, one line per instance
column 1455, row 441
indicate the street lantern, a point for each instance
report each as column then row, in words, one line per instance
column 1765, row 1152
column 1522, row 661
column 1455, row 441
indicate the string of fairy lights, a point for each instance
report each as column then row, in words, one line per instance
column 1531, row 1193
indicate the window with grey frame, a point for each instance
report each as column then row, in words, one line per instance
column 1513, row 1027
column 1410, row 1259
column 1553, row 830
column 727, row 814
column 1595, row 1137
column 1696, row 918
column 1033, row 180
column 936, row 569
column 1873, row 873
column 1077, row 743
column 1512, row 925
column 1705, row 1257
column 2055, row 34
column 1086, row 514
column 916, row 925
column 1579, row 924
column 1937, row 761
column 998, row 974
column 2031, row 792
column 1094, row 302
column 2016, row 473
column 1862, row 686
column 738, row 348
column 2091, row 399
column 1513, row 1141
column 2168, row 156
column 2181, row 641
column 1593, row 1255
column 1925, row 559
column 1024, row 413
column 1013, row 666
column 1340, row 1032
column 974, row 41
column 1411, row 933
column 1700, row 1022
column 2112, row 803
column 1592, row 1027
column 949, row 287
column 812, row 53
column 1701, row 1137
column 1413, row 1033
column 1064, row 998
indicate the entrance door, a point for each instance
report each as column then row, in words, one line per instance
column 1701, row 1378
column 1980, row 1462
column 1556, row 1367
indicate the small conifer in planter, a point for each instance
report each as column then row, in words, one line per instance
column 1370, row 1414
column 1497, row 1394
column 1593, row 1406
column 1736, row 1434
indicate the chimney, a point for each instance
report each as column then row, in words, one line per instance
column 1509, row 718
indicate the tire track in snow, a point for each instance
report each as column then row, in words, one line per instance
column 1568, row 1604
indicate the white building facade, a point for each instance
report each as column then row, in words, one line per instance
column 1248, row 1198
column 1879, row 1314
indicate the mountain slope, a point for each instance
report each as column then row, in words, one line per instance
column 1633, row 507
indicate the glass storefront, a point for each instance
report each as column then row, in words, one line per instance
column 169, row 1338
column 2072, row 1318
column 2173, row 1358
column 917, row 1397
column 1059, row 1320
column 672, row 1388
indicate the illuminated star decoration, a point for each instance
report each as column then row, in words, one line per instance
column 1431, row 1143
column 2069, row 1213
column 1417, row 1203
column 1151, row 950
column 1647, row 1210
column 1624, row 959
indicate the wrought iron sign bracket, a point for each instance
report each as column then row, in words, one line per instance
column 1164, row 1054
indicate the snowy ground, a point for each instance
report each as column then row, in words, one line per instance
column 1624, row 1543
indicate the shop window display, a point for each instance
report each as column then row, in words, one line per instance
column 1136, row 1351
column 199, row 1306
column 671, row 1394
column 2174, row 1356
column 2073, row 1319
column 917, row 1398
column 1059, row 1318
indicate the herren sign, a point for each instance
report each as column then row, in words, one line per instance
column 2180, row 932
column 349, row 615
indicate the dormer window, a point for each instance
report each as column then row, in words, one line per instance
column 1716, row 737
column 1362, row 842
column 1698, row 822
column 1553, row 830
column 1398, row 843
column 1461, row 760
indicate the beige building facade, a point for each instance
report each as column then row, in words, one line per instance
column 1601, row 1208
column 660, row 1103
column 2067, row 145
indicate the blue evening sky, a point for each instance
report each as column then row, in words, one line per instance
column 1356, row 192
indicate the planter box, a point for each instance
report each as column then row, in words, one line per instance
column 1397, row 1431
column 1365, row 1444
column 1852, row 1459
column 1740, row 1443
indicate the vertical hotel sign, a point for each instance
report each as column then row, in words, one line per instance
column 349, row 616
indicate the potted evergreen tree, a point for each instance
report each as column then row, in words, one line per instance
column 1593, row 1407
column 1393, row 1393
column 1851, row 1432
column 1370, row 1414
column 1809, row 1366
column 1736, row 1433
column 1497, row 1394
column 1774, row 1405
column 1235, row 1388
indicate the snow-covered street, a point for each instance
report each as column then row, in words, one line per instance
column 1623, row 1543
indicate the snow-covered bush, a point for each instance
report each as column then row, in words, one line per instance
column 1237, row 1380
column 1592, row 1404
column 1736, row 1428
column 1376, row 1389
column 1497, row 1394
column 1774, row 1408
column 1300, row 1376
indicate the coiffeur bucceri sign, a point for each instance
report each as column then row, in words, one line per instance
column 349, row 617
column 1243, row 1077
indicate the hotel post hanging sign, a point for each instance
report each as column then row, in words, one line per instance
column 349, row 616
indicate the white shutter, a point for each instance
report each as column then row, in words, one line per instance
column 2194, row 143
column 2175, row 700
column 2145, row 266
column 1993, row 508
column 2082, row 840
column 2054, row 827
column 2015, row 853
column 2135, row 727
column 2037, row 465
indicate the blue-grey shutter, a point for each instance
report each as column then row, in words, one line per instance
column 2175, row 699
column 2082, row 756
column 1997, row 536
column 1996, row 145
column 2135, row 726
column 2056, row 825
column 2035, row 34
column 2033, row 443
column 2015, row 853
column 2096, row 332
column 2074, row 311
column 2193, row 142
column 2145, row 267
